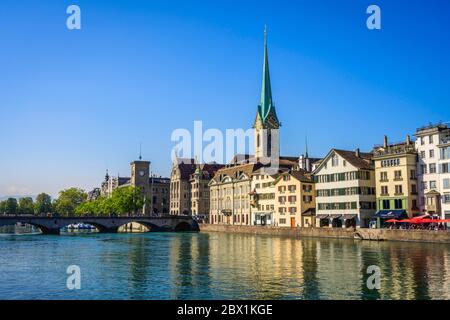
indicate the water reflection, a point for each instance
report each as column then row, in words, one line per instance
column 220, row 266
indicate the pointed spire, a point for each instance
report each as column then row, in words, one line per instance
column 140, row 151
column 306, row 146
column 266, row 91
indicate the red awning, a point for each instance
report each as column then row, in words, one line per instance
column 392, row 220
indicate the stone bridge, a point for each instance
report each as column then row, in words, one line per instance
column 52, row 225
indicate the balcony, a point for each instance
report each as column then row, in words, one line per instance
column 384, row 180
column 398, row 179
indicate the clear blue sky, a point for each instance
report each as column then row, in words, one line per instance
column 73, row 103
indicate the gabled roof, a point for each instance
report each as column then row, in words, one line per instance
column 300, row 174
column 363, row 161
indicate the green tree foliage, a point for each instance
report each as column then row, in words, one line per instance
column 69, row 200
column 26, row 206
column 2, row 207
column 11, row 206
column 43, row 204
column 123, row 201
column 127, row 200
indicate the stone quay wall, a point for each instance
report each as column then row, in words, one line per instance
column 358, row 234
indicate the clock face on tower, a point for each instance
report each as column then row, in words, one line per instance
column 141, row 173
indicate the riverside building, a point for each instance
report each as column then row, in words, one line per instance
column 345, row 189
column 396, row 180
column 433, row 147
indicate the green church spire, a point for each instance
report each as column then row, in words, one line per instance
column 266, row 109
column 266, row 91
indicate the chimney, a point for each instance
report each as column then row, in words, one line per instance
column 357, row 152
column 408, row 140
column 385, row 144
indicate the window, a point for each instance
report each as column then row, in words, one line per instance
column 422, row 154
column 386, row 204
column 398, row 175
column 422, row 141
column 413, row 189
column 431, row 153
column 424, row 185
column 446, row 198
column 445, row 153
column 282, row 221
column 413, row 174
column 335, row 161
column 430, row 139
column 383, row 176
column 432, row 184
column 446, row 183
column 398, row 204
column 292, row 210
column 399, row 189
column 384, row 190
column 423, row 168
column 432, row 167
column 444, row 168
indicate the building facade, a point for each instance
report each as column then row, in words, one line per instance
column 433, row 147
column 200, row 200
column 180, row 186
column 396, row 180
column 345, row 189
column 230, row 194
column 262, row 198
column 294, row 199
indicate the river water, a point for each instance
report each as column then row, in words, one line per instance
column 218, row 266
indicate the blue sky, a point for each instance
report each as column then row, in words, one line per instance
column 73, row 103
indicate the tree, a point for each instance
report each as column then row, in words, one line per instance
column 2, row 207
column 69, row 200
column 43, row 204
column 26, row 206
column 127, row 200
column 11, row 206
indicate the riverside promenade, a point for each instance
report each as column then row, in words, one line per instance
column 339, row 233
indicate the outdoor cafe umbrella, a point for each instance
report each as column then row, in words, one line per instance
column 392, row 221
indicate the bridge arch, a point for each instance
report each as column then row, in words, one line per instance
column 183, row 226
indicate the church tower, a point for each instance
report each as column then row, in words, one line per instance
column 266, row 126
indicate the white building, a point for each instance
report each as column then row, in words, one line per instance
column 433, row 146
column 345, row 189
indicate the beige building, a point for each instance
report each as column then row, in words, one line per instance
column 294, row 199
column 345, row 189
column 180, row 186
column 230, row 194
column 200, row 187
column 262, row 198
column 396, row 180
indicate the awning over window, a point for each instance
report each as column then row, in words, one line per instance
column 391, row 214
column 323, row 216
column 310, row 212
column 350, row 216
column 335, row 216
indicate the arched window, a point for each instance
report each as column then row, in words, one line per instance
column 269, row 144
column 258, row 142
